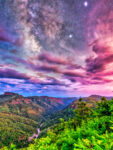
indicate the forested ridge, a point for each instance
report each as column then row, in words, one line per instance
column 91, row 128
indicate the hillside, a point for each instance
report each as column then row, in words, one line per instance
column 21, row 116
column 15, row 129
column 91, row 128
column 31, row 107
column 68, row 112
column 91, row 100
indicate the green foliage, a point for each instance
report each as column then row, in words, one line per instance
column 21, row 116
column 93, row 130
column 15, row 129
column 90, row 129
column 82, row 112
column 105, row 107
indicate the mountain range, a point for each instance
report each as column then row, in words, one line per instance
column 32, row 107
column 21, row 116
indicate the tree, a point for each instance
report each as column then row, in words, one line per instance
column 82, row 112
column 103, row 107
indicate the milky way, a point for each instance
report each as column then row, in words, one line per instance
column 56, row 47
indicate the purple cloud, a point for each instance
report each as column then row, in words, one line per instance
column 10, row 73
column 48, row 58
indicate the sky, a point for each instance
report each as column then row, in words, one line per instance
column 56, row 48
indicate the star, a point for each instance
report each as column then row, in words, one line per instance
column 85, row 3
column 70, row 36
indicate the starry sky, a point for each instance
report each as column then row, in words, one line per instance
column 56, row 47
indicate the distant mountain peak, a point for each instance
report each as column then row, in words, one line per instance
column 95, row 96
column 10, row 93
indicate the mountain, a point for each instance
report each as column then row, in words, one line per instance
column 21, row 116
column 68, row 112
column 91, row 100
column 98, row 97
column 10, row 93
column 15, row 129
column 7, row 96
column 32, row 107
